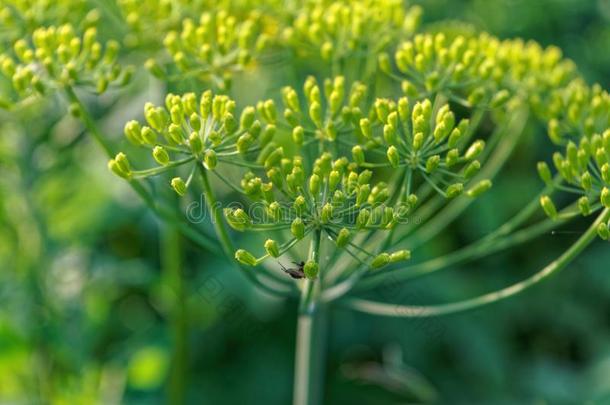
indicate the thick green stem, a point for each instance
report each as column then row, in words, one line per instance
column 310, row 339
column 171, row 259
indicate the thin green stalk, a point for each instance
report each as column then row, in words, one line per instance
column 310, row 340
column 171, row 261
column 197, row 237
column 225, row 239
column 419, row 311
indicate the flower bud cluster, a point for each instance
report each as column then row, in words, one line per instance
column 342, row 30
column 214, row 47
column 56, row 56
column 200, row 132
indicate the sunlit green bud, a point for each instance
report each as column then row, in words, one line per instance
column 176, row 115
column 154, row 68
column 343, row 237
column 179, row 186
column 270, row 112
column 272, row 248
column 389, row 134
column 274, row 157
column 238, row 219
column 175, row 133
column 600, row 157
column 311, row 270
column 479, row 188
column 205, row 104
column 326, row 213
column 475, row 150
column 334, row 102
column 440, row 132
column 472, row 169
column 454, row 138
column 195, row 143
column 160, row 155
column 452, row 157
column 267, row 134
column 210, row 159
column 605, row 197
column 603, row 231
column 156, row 117
column 381, row 260
column 500, row 98
column 358, row 154
column 274, row 210
column 363, row 194
column 291, row 99
column 333, row 179
column 606, row 173
column 384, row 63
column 245, row 257
column 382, row 109
column 314, row 184
column 365, row 127
column 584, row 206
column 476, row 96
column 298, row 134
column 454, row 190
column 230, row 123
column 586, row 181
column 365, row 177
column 133, row 132
column 315, row 112
column 544, row 172
column 409, row 88
column 400, row 256
column 149, row 136
column 189, row 102
column 299, row 205
column 120, row 166
column 244, row 142
column 393, row 156
column 363, row 218
column 418, row 141
column 326, row 51
column 547, row 205
column 432, row 163
column 297, row 228
column 554, row 131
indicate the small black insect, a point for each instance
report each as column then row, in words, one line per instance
column 294, row 272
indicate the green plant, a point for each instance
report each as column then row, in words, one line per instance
column 347, row 173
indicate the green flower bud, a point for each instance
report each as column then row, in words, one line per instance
column 472, row 169
column 270, row 112
column 179, row 186
column 314, row 184
column 400, row 256
column 343, row 237
column 247, row 118
column 333, row 179
column 605, row 197
column 363, row 193
column 432, row 163
column 500, row 98
column 403, row 108
column 365, row 127
column 544, row 172
column 315, row 112
column 586, row 181
column 274, row 210
column 175, row 133
column 454, row 137
column 380, row 261
column 326, row 213
column 418, row 141
column 606, row 173
column 297, row 228
column 393, row 156
column 237, row 219
column 120, row 166
column 452, row 157
column 299, row 205
column 154, row 68
column 210, row 159
column 358, row 154
column 584, row 206
column 454, row 190
column 272, row 248
column 245, row 257
column 298, row 134
column 195, row 143
column 548, row 206
column 479, row 188
column 274, row 157
column 133, row 132
column 384, row 63
column 160, row 155
column 603, row 231
column 311, row 270
column 363, row 218
column 475, row 150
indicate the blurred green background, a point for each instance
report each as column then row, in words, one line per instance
column 89, row 316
